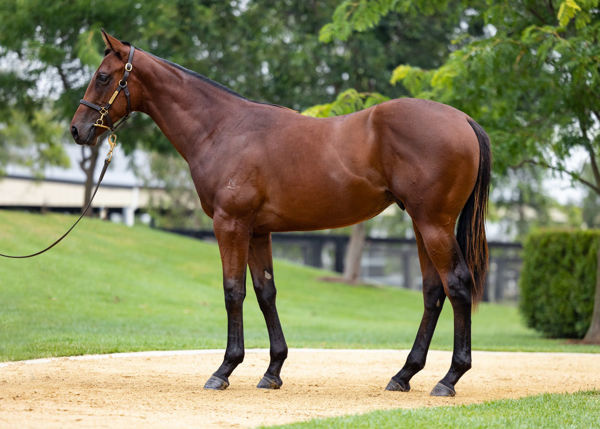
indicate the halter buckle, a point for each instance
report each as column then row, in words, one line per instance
column 128, row 67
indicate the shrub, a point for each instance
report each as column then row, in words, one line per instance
column 558, row 281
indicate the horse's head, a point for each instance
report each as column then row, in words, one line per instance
column 103, row 104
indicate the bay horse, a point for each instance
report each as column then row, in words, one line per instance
column 260, row 168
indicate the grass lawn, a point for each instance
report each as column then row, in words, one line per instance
column 579, row 410
column 109, row 288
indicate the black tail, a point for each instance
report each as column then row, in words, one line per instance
column 470, row 233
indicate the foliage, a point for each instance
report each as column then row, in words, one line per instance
column 362, row 15
column 532, row 82
column 262, row 50
column 552, row 411
column 591, row 210
column 558, row 281
column 521, row 203
column 109, row 288
column 348, row 101
column 32, row 139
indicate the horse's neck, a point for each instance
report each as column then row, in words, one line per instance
column 187, row 109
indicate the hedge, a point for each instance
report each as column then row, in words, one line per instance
column 558, row 281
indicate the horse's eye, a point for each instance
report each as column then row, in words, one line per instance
column 103, row 78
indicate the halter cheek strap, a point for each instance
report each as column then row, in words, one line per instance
column 103, row 110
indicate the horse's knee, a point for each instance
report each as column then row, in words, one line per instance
column 235, row 292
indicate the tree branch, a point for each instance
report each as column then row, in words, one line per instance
column 84, row 159
column 551, row 7
column 573, row 175
column 63, row 78
column 590, row 150
column 536, row 14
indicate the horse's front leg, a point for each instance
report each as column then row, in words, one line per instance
column 233, row 237
column 260, row 262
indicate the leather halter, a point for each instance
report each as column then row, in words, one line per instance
column 103, row 110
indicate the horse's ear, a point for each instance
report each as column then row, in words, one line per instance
column 113, row 43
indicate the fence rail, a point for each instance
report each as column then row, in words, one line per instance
column 391, row 261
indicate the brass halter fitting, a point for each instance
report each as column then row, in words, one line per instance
column 100, row 121
column 112, row 141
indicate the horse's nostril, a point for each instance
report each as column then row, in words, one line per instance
column 74, row 132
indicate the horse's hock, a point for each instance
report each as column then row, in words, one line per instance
column 165, row 388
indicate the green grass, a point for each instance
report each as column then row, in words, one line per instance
column 579, row 410
column 109, row 288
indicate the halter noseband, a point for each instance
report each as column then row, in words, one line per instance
column 103, row 110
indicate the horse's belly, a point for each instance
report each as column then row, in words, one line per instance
column 322, row 207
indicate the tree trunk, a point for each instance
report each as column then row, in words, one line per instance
column 354, row 253
column 88, row 165
column 593, row 333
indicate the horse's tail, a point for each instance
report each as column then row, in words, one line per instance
column 470, row 233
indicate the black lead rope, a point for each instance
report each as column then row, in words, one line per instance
column 111, row 140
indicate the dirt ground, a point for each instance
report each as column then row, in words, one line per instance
column 164, row 389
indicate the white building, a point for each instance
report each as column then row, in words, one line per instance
column 62, row 189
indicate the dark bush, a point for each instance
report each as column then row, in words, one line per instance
column 558, row 281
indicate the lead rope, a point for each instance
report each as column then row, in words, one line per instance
column 112, row 141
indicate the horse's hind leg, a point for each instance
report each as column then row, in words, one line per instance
column 433, row 299
column 445, row 253
column 260, row 261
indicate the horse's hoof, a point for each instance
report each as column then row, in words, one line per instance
column 442, row 390
column 270, row 382
column 396, row 386
column 216, row 383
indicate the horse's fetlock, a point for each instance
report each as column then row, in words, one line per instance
column 414, row 365
column 463, row 364
column 279, row 354
column 235, row 356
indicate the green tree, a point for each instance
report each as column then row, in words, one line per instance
column 265, row 50
column 531, row 79
column 521, row 203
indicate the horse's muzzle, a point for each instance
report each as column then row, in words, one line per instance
column 87, row 139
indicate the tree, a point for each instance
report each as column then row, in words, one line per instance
column 531, row 79
column 521, row 203
column 265, row 50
